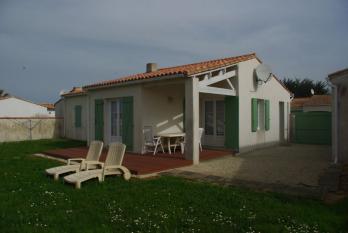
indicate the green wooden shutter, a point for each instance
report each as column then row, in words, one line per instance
column 254, row 115
column 78, row 111
column 127, row 122
column 99, row 120
column 267, row 115
column 232, row 122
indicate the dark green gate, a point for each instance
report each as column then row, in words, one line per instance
column 311, row 127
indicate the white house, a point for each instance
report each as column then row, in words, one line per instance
column 223, row 96
column 339, row 82
column 11, row 106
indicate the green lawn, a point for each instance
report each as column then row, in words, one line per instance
column 32, row 202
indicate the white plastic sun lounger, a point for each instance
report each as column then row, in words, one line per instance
column 112, row 166
column 93, row 155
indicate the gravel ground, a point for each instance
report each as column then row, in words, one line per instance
column 290, row 165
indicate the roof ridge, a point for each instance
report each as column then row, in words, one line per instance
column 209, row 61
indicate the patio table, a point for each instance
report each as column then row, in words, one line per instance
column 168, row 136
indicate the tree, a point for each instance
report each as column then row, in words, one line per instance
column 302, row 87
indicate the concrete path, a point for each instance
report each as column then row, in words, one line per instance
column 293, row 165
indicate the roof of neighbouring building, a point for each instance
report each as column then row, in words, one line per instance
column 338, row 73
column 299, row 102
column 19, row 98
column 49, row 106
column 186, row 70
column 315, row 100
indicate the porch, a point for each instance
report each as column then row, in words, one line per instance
column 142, row 164
column 170, row 106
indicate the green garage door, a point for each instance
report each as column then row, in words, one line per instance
column 312, row 127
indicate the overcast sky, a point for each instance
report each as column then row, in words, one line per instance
column 50, row 45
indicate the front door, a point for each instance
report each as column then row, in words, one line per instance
column 116, row 120
column 214, row 123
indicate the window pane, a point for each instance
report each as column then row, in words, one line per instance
column 114, row 118
column 261, row 114
column 209, row 115
column 220, row 118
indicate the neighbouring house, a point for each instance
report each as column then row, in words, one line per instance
column 315, row 103
column 12, row 106
column 50, row 108
column 339, row 81
column 237, row 110
column 311, row 120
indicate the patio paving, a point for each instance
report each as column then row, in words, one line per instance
column 297, row 166
column 142, row 164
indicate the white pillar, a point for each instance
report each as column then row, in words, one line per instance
column 192, row 120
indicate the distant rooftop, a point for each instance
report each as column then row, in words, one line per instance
column 315, row 100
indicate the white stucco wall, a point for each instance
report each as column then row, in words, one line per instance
column 340, row 116
column 68, row 104
column 13, row 107
column 163, row 107
column 272, row 91
column 59, row 108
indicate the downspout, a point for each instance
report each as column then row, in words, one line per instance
column 335, row 123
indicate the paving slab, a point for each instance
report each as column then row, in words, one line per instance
column 296, row 166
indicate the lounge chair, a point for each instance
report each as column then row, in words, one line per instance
column 112, row 166
column 77, row 164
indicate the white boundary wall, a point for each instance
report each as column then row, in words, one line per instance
column 21, row 129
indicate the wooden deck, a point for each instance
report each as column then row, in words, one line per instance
column 142, row 164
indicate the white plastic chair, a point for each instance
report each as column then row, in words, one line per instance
column 182, row 144
column 151, row 143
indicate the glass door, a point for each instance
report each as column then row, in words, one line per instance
column 214, row 123
column 116, row 121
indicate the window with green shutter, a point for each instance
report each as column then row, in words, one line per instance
column 78, row 115
column 267, row 115
column 254, row 115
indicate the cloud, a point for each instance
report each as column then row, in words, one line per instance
column 75, row 42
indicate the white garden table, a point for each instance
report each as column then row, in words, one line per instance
column 169, row 136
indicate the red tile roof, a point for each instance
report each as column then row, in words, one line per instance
column 49, row 106
column 315, row 100
column 185, row 70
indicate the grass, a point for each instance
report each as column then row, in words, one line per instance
column 32, row 202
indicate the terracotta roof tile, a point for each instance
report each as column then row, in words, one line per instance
column 186, row 70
